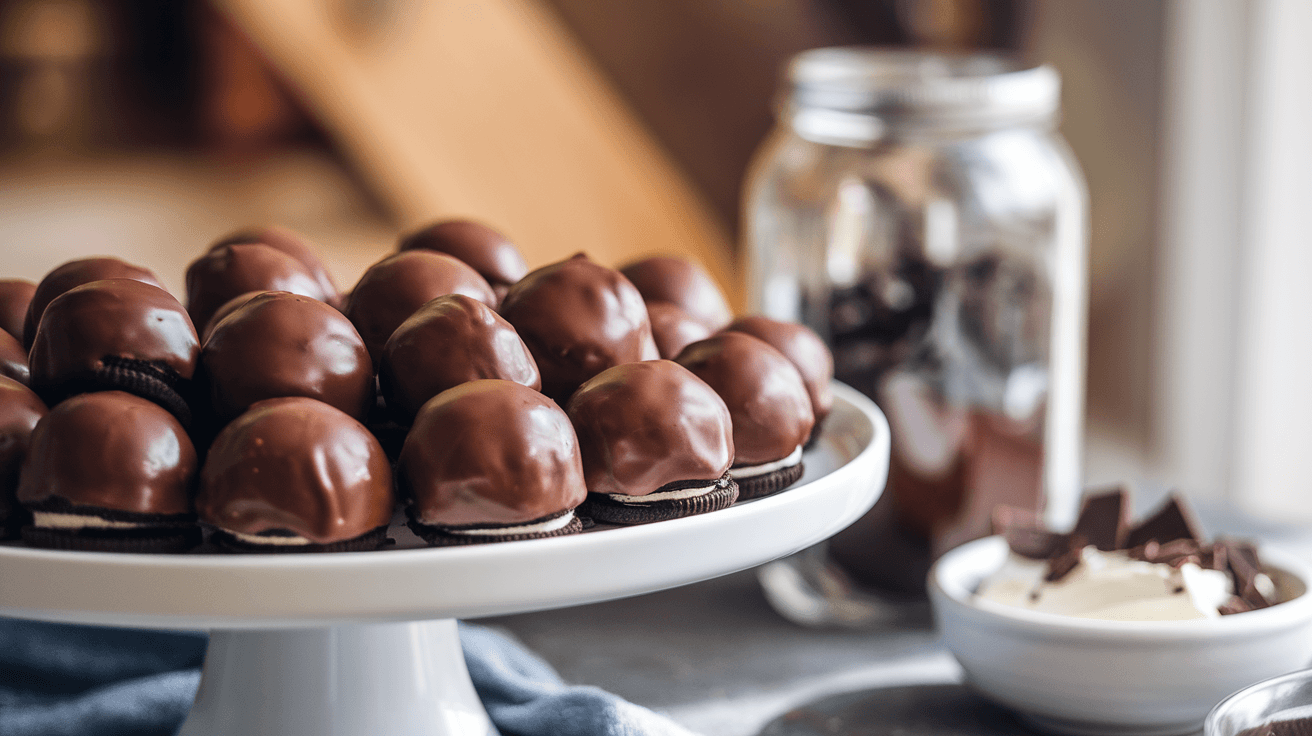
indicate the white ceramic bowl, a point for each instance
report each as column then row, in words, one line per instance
column 1082, row 676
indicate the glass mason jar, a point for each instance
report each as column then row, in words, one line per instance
column 923, row 215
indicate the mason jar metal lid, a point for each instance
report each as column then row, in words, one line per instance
column 901, row 87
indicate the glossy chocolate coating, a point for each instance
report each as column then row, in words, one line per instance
column 486, row 250
column 73, row 274
column 281, row 344
column 228, row 271
column 15, row 296
column 765, row 394
column 121, row 318
column 683, row 284
column 804, row 349
column 293, row 244
column 674, row 329
column 297, row 465
column 397, row 286
column 490, row 452
column 644, row 425
column 13, row 359
column 110, row 450
column 20, row 409
column 449, row 341
column 228, row 308
column 578, row 318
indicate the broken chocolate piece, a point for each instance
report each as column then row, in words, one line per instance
column 1105, row 519
column 1233, row 606
column 1024, row 533
column 1060, row 565
column 1173, row 521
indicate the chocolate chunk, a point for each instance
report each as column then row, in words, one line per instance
column 1105, row 519
column 1233, row 606
column 1024, row 534
column 1173, row 521
column 1060, row 565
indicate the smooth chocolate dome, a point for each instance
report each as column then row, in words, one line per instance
column 228, row 271
column 110, row 450
column 804, row 349
column 13, row 359
column 397, row 286
column 73, row 274
column 228, row 308
column 280, row 344
column 20, row 410
column 644, row 425
column 104, row 325
column 578, row 318
column 490, row 452
column 483, row 248
column 765, row 394
column 296, row 465
column 683, row 284
column 293, row 244
column 15, row 296
column 449, row 341
column 674, row 329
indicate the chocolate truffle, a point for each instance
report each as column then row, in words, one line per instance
column 228, row 308
column 116, row 334
column 674, row 329
column 228, row 271
column 484, row 249
column 293, row 244
column 449, row 341
column 804, row 349
column 656, row 442
column 281, row 344
column 397, row 286
column 13, row 359
column 73, row 274
column 109, row 471
column 20, row 409
column 491, row 461
column 683, row 284
column 296, row 475
column 578, row 318
column 769, row 405
column 15, row 296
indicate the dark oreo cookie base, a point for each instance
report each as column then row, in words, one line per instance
column 770, row 483
column 161, row 540
column 367, row 542
column 601, row 508
column 437, row 536
column 150, row 381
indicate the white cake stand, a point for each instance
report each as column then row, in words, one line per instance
column 365, row 643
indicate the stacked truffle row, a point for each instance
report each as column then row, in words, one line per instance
column 496, row 404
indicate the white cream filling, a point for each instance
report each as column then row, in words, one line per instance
column 550, row 525
column 271, row 540
column 56, row 520
column 752, row 471
column 663, row 495
column 1111, row 586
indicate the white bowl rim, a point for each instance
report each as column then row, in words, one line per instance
column 1210, row 725
column 954, row 591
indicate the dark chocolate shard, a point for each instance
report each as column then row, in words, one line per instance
column 1105, row 519
column 1061, row 564
column 1025, row 534
column 1233, row 606
column 1173, row 521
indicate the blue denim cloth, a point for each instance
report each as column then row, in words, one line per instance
column 62, row 680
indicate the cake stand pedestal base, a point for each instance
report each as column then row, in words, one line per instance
column 359, row 680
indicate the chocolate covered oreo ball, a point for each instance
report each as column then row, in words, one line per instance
column 578, row 318
column 683, row 284
column 491, row 461
column 767, row 400
column 280, row 344
column 20, row 410
column 397, row 286
column 228, row 271
column 804, row 349
column 674, row 329
column 15, row 296
column 657, row 443
column 73, row 274
column 296, row 475
column 293, row 244
column 116, row 334
column 13, row 359
column 484, row 249
column 228, row 308
column 109, row 471
column 449, row 341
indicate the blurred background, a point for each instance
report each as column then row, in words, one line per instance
column 148, row 128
